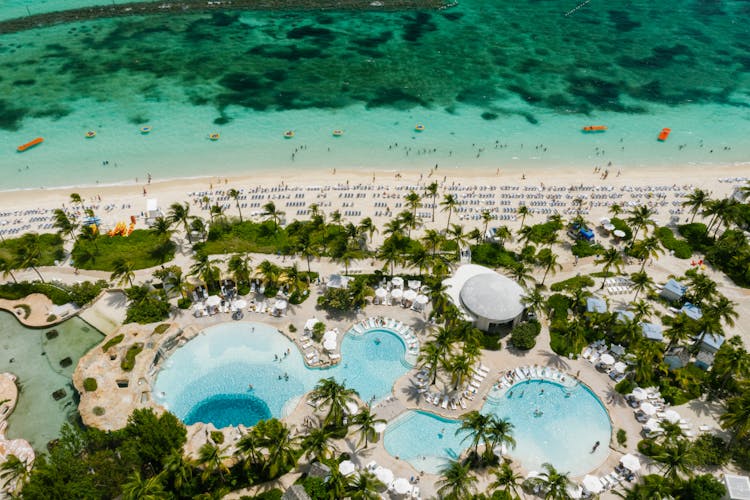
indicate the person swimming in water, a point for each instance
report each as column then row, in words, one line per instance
column 249, row 387
column 377, row 341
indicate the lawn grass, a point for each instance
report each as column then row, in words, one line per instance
column 246, row 237
column 50, row 244
column 142, row 249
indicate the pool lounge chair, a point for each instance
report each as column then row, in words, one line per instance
column 444, row 404
column 335, row 356
column 453, row 404
column 415, row 492
column 436, row 400
column 462, row 403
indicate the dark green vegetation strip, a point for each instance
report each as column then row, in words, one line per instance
column 198, row 6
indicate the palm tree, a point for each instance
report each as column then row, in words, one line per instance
column 647, row 248
column 431, row 190
column 318, row 444
column 365, row 486
column 140, row 488
column 6, row 267
column 615, row 210
column 272, row 213
column 460, row 368
column 722, row 308
column 499, row 433
column 75, row 198
column 553, row 483
column 216, row 212
column 291, row 278
column 330, row 393
column 307, row 247
column 367, row 226
column 235, row 195
column 409, row 220
column 737, row 416
column 29, row 254
column 197, row 225
column 521, row 273
column 179, row 470
column 365, row 421
column 179, row 213
column 212, row 460
column 681, row 329
column 456, row 481
column 506, row 480
column 611, row 257
column 641, row 282
column 432, row 239
column 64, row 224
column 205, row 269
column 523, row 211
column 642, row 310
column 700, row 287
column 420, row 259
column 161, row 227
column 239, row 267
column 431, row 356
column 449, row 203
column 476, row 427
column 456, row 233
column 503, row 234
column 268, row 273
column 674, row 456
column 731, row 362
column 697, row 201
column 548, row 260
column 412, row 201
column 533, row 300
column 277, row 439
column 14, row 472
column 640, row 217
column 487, row 217
column 391, row 252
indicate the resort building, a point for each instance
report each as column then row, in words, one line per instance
column 738, row 487
column 707, row 347
column 673, row 290
column 596, row 304
column 652, row 331
column 491, row 301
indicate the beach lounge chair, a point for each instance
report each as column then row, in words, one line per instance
column 335, row 356
column 415, row 492
column 474, row 384
column 453, row 404
column 444, row 404
column 436, row 400
column 310, row 355
column 462, row 403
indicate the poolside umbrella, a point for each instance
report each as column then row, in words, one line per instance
column 384, row 475
column 379, row 427
column 329, row 335
column 422, row 299
column 398, row 282
column 639, row 394
column 609, row 227
column 381, row 293
column 280, row 304
column 652, row 425
column 329, row 345
column 592, row 484
column 574, row 491
column 352, row 408
column 671, row 416
column 240, row 304
column 310, row 323
column 607, row 359
column 630, row 462
column 401, row 486
column 347, row 467
column 410, row 295
column 213, row 300
column 620, row 367
column 648, row 408
column 397, row 293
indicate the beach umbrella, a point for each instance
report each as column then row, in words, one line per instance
column 604, row 221
column 630, row 462
column 352, row 408
column 347, row 467
column 384, row 475
column 414, row 284
column 652, row 425
column 532, row 474
column 606, row 359
column 609, row 227
column 329, row 345
column 280, row 304
column 619, row 233
column 639, row 394
column 381, row 293
column 379, row 427
column 648, row 408
column 410, row 295
column 397, row 293
column 574, row 491
column 398, row 282
column 620, row 367
column 240, row 304
column 401, row 486
column 213, row 300
column 329, row 335
column 310, row 323
column 592, row 484
column 422, row 299
column 671, row 416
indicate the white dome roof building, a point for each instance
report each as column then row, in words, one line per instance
column 489, row 300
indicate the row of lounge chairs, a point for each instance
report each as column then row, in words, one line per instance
column 522, row 373
column 403, row 331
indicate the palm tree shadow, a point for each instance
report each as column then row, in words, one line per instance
column 412, row 393
column 420, row 324
column 555, row 360
column 519, row 353
column 703, row 408
column 615, row 398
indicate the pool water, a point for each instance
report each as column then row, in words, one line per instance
column 552, row 424
column 239, row 373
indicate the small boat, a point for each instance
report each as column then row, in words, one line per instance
column 90, row 134
column 30, row 144
column 664, row 134
column 145, row 130
column 288, row 134
column 419, row 127
column 214, row 137
column 338, row 133
column 595, row 128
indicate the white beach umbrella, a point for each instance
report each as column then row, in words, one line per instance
column 604, row 221
column 347, row 467
column 398, row 282
column 639, row 394
column 410, row 295
column 397, row 293
column 352, row 407
column 384, row 475
column 422, row 299
column 329, row 345
column 619, row 233
column 606, row 359
column 630, row 462
column 401, row 486
column 379, row 427
column 592, row 484
column 381, row 293
column 652, row 425
column 609, row 227
column 240, row 304
column 280, row 304
column 213, row 300
column 329, row 335
column 620, row 367
column 648, row 408
column 574, row 491
column 671, row 416
column 310, row 323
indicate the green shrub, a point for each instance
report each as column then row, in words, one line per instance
column 26, row 310
column 161, row 328
column 703, row 487
column 83, row 293
column 292, row 328
column 128, row 362
column 695, row 234
column 146, row 305
column 574, row 283
column 274, row 494
column 99, row 411
column 523, row 336
column 491, row 342
column 625, row 386
column 649, row 447
column 217, row 437
column 583, row 248
column 680, row 248
column 184, row 302
column 142, row 249
column 113, row 342
column 89, row 384
column 557, row 306
column 318, row 331
column 622, row 437
column 51, row 318
column 622, row 226
column 14, row 291
column 493, row 255
column 709, row 450
column 50, row 246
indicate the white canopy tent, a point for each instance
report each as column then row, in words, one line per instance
column 401, row 486
column 347, row 467
column 397, row 293
column 672, row 416
column 310, row 323
column 648, row 409
column 606, row 359
column 639, row 394
column 398, row 282
column 630, row 462
column 620, row 367
column 329, row 345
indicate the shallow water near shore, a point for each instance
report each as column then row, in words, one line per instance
column 495, row 85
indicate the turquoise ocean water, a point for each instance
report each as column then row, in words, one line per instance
column 496, row 85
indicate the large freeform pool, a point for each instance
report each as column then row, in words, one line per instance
column 552, row 423
column 239, row 373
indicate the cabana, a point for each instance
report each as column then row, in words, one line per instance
column 596, row 304
column 673, row 290
column 652, row 331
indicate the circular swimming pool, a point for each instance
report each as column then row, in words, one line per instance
column 552, row 423
column 240, row 373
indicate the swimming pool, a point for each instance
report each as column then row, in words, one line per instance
column 552, row 423
column 238, row 373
